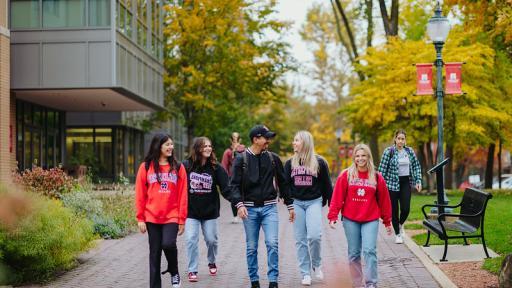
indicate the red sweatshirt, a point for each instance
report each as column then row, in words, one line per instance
column 164, row 202
column 358, row 199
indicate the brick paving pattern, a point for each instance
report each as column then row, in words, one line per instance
column 124, row 263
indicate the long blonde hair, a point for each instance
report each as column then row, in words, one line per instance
column 306, row 156
column 352, row 170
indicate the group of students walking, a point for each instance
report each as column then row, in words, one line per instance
column 173, row 198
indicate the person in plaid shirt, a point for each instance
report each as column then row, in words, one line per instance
column 401, row 170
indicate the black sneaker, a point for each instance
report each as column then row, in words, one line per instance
column 272, row 285
column 176, row 281
column 255, row 284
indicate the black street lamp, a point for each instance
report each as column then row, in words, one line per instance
column 438, row 29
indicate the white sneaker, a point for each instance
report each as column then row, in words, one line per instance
column 401, row 229
column 399, row 239
column 306, row 281
column 318, row 273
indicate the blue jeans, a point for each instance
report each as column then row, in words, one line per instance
column 308, row 233
column 362, row 235
column 209, row 228
column 265, row 217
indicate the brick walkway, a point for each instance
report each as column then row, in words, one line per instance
column 124, row 263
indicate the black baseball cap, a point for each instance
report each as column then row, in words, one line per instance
column 261, row 130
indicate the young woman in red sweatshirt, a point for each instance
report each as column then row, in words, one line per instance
column 362, row 197
column 161, row 204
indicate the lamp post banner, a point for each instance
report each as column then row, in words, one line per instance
column 453, row 78
column 424, row 79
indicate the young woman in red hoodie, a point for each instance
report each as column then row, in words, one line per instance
column 362, row 197
column 161, row 204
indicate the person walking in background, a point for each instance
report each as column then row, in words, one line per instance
column 254, row 194
column 402, row 170
column 161, row 206
column 205, row 177
column 360, row 193
column 310, row 188
column 227, row 162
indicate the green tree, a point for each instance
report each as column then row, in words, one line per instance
column 220, row 66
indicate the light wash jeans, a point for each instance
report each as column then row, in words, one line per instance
column 362, row 235
column 265, row 217
column 308, row 233
column 209, row 228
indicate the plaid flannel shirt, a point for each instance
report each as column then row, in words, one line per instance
column 389, row 168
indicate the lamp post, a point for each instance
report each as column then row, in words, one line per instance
column 438, row 29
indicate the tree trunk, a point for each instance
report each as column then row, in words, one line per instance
column 448, row 177
column 374, row 147
column 489, row 166
column 421, row 159
column 459, row 173
column 347, row 26
column 390, row 24
column 369, row 18
column 190, row 137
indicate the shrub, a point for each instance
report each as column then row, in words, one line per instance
column 107, row 222
column 51, row 182
column 46, row 241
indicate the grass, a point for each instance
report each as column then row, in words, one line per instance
column 498, row 229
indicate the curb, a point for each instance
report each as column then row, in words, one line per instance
column 432, row 268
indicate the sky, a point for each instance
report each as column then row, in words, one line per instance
column 295, row 11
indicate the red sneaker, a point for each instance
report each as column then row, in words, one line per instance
column 213, row 269
column 192, row 277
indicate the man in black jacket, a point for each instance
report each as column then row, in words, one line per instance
column 258, row 175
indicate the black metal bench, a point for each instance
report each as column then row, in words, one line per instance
column 470, row 219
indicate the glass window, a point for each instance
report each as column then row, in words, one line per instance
column 80, row 147
column 50, row 150
column 120, row 151
column 99, row 12
column 24, row 14
column 128, row 24
column 27, row 150
column 141, row 34
column 63, row 13
column 103, row 138
column 131, row 152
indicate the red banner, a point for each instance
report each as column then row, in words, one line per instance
column 424, row 79
column 453, row 78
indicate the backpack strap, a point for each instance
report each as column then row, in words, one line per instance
column 275, row 172
column 391, row 154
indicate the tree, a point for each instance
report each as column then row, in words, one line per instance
column 220, row 67
column 386, row 97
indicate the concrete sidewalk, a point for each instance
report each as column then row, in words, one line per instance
column 124, row 263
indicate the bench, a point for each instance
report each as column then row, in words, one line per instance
column 468, row 222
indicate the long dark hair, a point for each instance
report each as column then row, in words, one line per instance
column 399, row 131
column 154, row 154
column 196, row 154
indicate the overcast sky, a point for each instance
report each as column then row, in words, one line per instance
column 295, row 11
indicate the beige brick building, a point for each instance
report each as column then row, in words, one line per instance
column 7, row 110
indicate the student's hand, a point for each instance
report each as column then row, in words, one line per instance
column 181, row 229
column 332, row 224
column 418, row 187
column 142, row 227
column 388, row 230
column 242, row 212
column 292, row 215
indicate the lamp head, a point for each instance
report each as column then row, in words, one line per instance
column 438, row 26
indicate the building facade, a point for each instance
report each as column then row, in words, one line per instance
column 83, row 73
